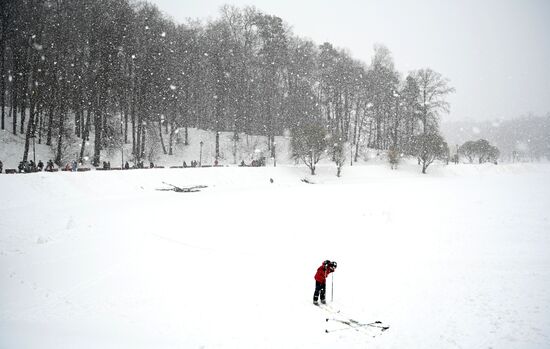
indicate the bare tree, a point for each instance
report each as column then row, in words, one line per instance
column 309, row 143
column 434, row 89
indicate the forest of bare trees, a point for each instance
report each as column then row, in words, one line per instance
column 112, row 72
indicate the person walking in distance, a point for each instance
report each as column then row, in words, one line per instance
column 321, row 281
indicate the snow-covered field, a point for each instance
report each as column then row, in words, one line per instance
column 458, row 258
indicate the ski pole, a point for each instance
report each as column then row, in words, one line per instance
column 332, row 289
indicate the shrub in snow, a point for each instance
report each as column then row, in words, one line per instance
column 309, row 143
column 429, row 147
column 339, row 153
column 393, row 158
column 480, row 149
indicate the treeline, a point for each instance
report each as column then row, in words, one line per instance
column 525, row 138
column 114, row 72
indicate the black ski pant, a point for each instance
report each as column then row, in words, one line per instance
column 320, row 289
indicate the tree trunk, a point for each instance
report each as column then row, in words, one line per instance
column 161, row 138
column 356, row 124
column 23, row 115
column 171, row 139
column 369, row 140
column 60, row 136
column 217, row 143
column 273, row 146
column 98, row 122
column 50, row 125
column 142, row 151
column 186, row 136
column 378, row 132
column 40, row 124
column 78, row 121
column 3, row 66
column 14, row 100
column 357, row 145
column 85, row 135
column 133, row 119
column 125, row 123
column 30, row 133
column 23, row 110
column 139, row 127
column 30, row 130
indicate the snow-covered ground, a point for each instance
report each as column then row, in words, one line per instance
column 458, row 258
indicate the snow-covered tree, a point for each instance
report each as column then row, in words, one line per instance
column 430, row 147
column 309, row 143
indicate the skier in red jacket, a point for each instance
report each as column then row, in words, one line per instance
column 321, row 280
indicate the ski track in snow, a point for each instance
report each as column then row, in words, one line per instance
column 455, row 259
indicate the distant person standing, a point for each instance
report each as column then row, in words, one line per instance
column 49, row 165
column 1, row 166
column 40, row 165
column 321, row 281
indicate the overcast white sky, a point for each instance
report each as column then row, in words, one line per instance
column 495, row 52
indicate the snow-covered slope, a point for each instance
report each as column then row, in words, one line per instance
column 454, row 259
column 246, row 149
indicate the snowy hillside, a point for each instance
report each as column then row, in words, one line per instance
column 247, row 148
column 456, row 258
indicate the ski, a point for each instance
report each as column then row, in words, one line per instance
column 356, row 324
column 337, row 316
column 351, row 321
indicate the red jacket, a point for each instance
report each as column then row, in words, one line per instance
column 322, row 273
